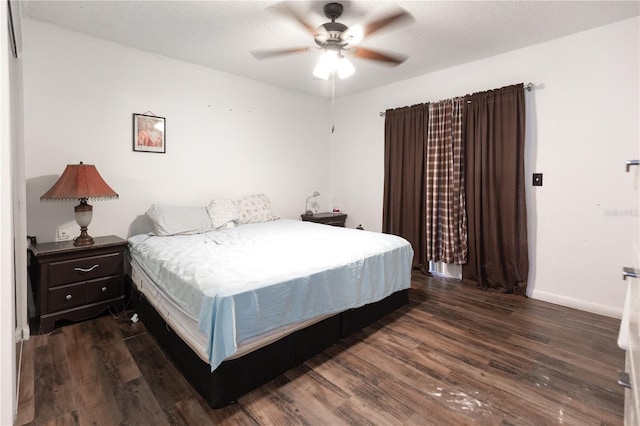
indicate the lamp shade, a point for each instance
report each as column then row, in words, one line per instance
column 327, row 64
column 345, row 68
column 83, row 182
column 80, row 181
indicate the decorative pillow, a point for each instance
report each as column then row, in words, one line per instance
column 173, row 220
column 254, row 208
column 222, row 212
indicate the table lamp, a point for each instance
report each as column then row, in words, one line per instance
column 81, row 182
column 306, row 204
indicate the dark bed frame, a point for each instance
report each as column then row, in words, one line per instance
column 236, row 377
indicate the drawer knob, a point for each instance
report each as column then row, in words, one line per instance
column 86, row 270
column 104, row 289
column 68, row 297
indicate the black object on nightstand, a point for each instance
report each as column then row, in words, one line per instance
column 76, row 282
column 334, row 219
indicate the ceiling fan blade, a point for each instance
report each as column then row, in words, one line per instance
column 265, row 54
column 396, row 17
column 364, row 53
column 286, row 9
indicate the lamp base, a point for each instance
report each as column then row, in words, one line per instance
column 83, row 212
column 83, row 239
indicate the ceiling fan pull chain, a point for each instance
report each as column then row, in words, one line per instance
column 333, row 101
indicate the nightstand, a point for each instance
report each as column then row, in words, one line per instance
column 334, row 219
column 76, row 283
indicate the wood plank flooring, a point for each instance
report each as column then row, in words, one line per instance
column 455, row 355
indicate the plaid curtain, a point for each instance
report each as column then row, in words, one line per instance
column 446, row 221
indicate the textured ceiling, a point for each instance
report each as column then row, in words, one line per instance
column 220, row 34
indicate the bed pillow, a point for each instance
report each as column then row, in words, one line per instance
column 223, row 213
column 174, row 220
column 254, row 209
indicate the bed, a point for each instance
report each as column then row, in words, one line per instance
column 234, row 307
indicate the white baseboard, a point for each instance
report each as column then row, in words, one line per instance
column 570, row 302
column 19, row 356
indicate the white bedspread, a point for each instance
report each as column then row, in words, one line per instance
column 244, row 281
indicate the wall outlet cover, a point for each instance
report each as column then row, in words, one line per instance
column 63, row 233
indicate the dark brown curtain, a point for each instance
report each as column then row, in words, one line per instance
column 405, row 155
column 494, row 180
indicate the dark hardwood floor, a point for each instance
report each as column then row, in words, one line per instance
column 454, row 355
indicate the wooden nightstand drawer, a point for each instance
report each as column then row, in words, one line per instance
column 76, row 282
column 67, row 297
column 84, row 269
column 103, row 289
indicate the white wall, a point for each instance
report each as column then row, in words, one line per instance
column 582, row 125
column 226, row 135
column 229, row 136
column 8, row 401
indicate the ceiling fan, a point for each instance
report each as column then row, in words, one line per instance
column 338, row 41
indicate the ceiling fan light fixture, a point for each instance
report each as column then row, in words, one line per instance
column 345, row 68
column 332, row 61
column 328, row 63
column 321, row 73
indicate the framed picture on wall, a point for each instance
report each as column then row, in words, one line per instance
column 149, row 133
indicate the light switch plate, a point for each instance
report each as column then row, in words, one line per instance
column 537, row 179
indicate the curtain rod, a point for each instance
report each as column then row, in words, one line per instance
column 529, row 86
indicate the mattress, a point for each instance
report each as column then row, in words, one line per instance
column 186, row 326
column 247, row 282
